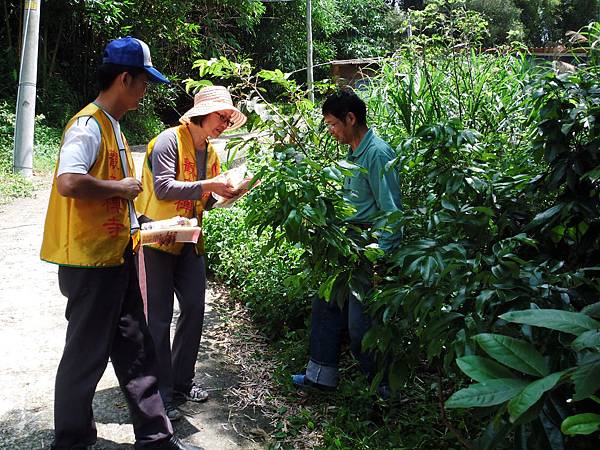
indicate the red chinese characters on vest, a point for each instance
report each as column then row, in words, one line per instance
column 113, row 159
column 113, row 227
column 189, row 170
column 113, row 205
column 187, row 206
column 189, row 174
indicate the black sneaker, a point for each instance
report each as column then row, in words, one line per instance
column 173, row 443
column 173, row 413
column 195, row 394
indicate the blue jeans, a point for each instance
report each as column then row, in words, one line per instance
column 328, row 323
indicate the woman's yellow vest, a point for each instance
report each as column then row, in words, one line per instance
column 90, row 233
column 148, row 204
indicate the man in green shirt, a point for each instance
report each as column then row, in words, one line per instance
column 373, row 192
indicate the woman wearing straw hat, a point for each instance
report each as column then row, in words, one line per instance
column 180, row 175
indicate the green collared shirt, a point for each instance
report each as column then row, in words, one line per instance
column 377, row 190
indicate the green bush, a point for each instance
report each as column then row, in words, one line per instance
column 497, row 275
column 46, row 144
column 258, row 277
column 142, row 125
column 57, row 101
column 7, row 132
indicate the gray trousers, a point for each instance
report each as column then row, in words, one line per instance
column 106, row 319
column 185, row 276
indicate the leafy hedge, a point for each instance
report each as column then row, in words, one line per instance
column 497, row 277
column 256, row 276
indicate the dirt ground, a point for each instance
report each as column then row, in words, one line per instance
column 32, row 331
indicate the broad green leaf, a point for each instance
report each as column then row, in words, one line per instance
column 348, row 165
column 592, row 310
column 454, row 183
column 588, row 339
column 373, row 252
column 427, row 269
column 482, row 369
column 593, row 175
column 586, row 423
column 292, row 224
column 447, row 205
column 554, row 319
column 545, row 216
column 326, row 286
column 531, row 394
column 488, row 393
column 586, row 379
column 333, row 173
column 399, row 372
column 524, row 239
column 514, row 353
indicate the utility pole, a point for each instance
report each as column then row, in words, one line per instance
column 25, row 121
column 309, row 53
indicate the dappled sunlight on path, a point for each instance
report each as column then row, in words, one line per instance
column 32, row 332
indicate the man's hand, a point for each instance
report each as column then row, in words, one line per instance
column 130, row 187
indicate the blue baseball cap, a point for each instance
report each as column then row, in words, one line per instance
column 129, row 51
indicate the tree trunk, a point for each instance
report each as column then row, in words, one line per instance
column 44, row 59
column 20, row 35
column 8, row 31
column 55, row 51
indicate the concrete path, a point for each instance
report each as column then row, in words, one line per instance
column 32, row 331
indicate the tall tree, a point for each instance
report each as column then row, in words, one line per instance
column 338, row 32
column 578, row 13
column 504, row 19
column 540, row 19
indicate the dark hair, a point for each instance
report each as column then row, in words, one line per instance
column 197, row 120
column 343, row 101
column 107, row 73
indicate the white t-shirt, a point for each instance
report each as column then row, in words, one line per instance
column 80, row 148
column 81, row 145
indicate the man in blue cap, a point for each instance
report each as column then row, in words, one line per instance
column 92, row 232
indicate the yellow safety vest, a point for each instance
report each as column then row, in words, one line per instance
column 149, row 205
column 87, row 232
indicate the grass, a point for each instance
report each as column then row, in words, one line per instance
column 46, row 143
column 352, row 417
column 14, row 186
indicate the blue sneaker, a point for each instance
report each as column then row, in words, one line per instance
column 300, row 380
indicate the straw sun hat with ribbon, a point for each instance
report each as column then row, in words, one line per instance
column 211, row 99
